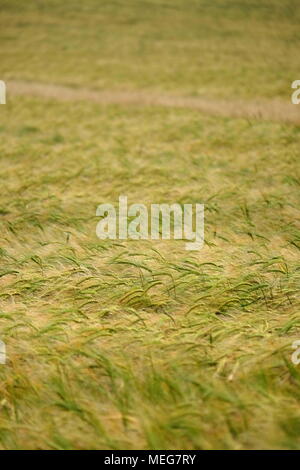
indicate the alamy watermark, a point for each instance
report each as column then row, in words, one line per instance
column 2, row 92
column 296, row 354
column 296, row 94
column 165, row 221
column 2, row 352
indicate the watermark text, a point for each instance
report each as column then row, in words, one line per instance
column 296, row 94
column 2, row 92
column 165, row 221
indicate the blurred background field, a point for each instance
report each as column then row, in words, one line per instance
column 126, row 344
column 221, row 48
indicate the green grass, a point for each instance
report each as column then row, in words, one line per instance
column 126, row 344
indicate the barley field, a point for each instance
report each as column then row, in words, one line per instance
column 141, row 344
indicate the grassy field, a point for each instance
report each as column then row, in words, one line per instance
column 142, row 344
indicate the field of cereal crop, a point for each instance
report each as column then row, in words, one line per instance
column 141, row 344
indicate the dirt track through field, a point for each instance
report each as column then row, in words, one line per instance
column 266, row 109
